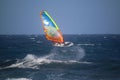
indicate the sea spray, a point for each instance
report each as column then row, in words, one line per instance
column 64, row 55
column 67, row 53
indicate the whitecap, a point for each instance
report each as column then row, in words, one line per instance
column 32, row 38
column 85, row 44
column 18, row 79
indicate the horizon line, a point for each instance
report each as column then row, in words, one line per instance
column 68, row 34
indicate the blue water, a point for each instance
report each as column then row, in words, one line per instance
column 32, row 57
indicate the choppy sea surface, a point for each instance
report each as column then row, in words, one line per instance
column 32, row 57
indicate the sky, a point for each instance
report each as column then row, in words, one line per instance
column 72, row 16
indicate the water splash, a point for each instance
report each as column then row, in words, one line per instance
column 65, row 55
column 18, row 79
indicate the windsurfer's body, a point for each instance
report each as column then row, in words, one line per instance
column 64, row 44
column 58, row 44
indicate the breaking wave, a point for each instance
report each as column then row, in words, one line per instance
column 65, row 55
column 18, row 79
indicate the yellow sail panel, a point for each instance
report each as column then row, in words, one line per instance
column 51, row 29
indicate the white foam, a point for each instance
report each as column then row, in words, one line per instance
column 18, row 79
column 31, row 61
column 86, row 44
column 66, row 55
column 30, row 57
column 32, row 38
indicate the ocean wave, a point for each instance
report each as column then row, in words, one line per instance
column 32, row 61
column 86, row 44
column 57, row 55
column 18, row 79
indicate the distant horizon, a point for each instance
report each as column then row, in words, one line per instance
column 62, row 34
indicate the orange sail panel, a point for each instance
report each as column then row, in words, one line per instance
column 51, row 29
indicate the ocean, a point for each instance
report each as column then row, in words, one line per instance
column 32, row 57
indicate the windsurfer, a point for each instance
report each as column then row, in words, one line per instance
column 63, row 44
column 52, row 31
column 59, row 44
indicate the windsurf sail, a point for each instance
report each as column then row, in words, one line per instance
column 51, row 29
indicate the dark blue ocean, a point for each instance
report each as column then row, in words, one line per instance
column 32, row 57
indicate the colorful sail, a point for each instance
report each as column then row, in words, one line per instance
column 51, row 29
